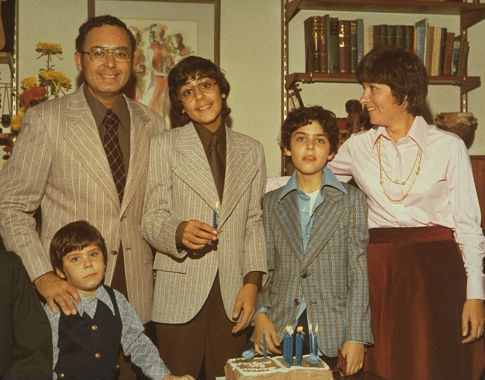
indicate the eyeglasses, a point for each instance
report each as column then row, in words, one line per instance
column 187, row 94
column 98, row 54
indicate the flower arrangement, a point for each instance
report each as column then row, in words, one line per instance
column 49, row 84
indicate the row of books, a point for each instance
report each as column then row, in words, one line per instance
column 333, row 45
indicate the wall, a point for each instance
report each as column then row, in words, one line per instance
column 250, row 55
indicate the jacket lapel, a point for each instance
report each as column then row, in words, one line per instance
column 139, row 151
column 290, row 225
column 192, row 165
column 240, row 170
column 327, row 217
column 82, row 137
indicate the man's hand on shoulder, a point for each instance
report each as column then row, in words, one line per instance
column 57, row 291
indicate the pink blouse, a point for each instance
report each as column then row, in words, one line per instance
column 443, row 193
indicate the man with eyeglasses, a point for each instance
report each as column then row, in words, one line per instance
column 84, row 156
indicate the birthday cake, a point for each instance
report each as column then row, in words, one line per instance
column 275, row 368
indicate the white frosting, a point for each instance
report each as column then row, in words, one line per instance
column 259, row 366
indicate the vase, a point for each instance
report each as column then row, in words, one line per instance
column 463, row 124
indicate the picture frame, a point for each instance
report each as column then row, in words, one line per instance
column 166, row 31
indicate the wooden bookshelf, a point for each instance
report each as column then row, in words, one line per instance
column 469, row 14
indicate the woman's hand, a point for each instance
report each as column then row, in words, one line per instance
column 472, row 320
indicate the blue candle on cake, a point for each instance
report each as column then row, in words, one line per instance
column 299, row 345
column 288, row 347
column 315, row 341
column 265, row 352
column 310, row 338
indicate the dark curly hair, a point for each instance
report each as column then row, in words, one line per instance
column 300, row 117
column 189, row 68
column 100, row 21
column 73, row 237
column 402, row 71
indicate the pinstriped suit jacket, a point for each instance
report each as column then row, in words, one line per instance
column 59, row 163
column 331, row 274
column 181, row 187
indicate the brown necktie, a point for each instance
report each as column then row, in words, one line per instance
column 113, row 151
column 217, row 166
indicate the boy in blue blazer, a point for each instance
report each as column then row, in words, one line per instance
column 316, row 233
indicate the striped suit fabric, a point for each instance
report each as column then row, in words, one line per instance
column 59, row 164
column 181, row 187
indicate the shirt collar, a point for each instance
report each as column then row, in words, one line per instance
column 100, row 295
column 328, row 179
column 417, row 132
column 99, row 110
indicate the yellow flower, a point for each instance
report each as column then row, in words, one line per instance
column 55, row 80
column 45, row 48
column 29, row 82
column 16, row 122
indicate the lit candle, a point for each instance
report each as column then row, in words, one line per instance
column 288, row 347
column 315, row 341
column 265, row 352
column 299, row 345
column 214, row 215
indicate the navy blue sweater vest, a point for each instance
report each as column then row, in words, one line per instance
column 89, row 347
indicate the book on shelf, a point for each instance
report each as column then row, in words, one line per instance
column 344, row 64
column 353, row 46
column 368, row 38
column 456, row 55
column 442, row 50
column 322, row 43
column 434, row 61
column 421, row 32
column 399, row 35
column 312, row 46
column 360, row 39
column 409, row 38
column 463, row 56
column 391, row 35
column 332, row 44
column 450, row 37
column 429, row 48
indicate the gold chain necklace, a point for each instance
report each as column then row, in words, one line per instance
column 417, row 162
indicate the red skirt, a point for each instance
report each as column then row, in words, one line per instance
column 417, row 288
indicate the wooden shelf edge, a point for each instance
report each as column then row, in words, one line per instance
column 468, row 83
column 471, row 12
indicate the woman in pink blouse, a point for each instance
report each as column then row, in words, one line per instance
column 426, row 245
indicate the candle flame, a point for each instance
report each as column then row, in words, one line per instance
column 218, row 204
column 289, row 330
column 299, row 329
column 316, row 329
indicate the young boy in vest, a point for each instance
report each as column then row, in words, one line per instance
column 86, row 345
column 316, row 236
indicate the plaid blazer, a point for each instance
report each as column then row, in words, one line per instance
column 331, row 274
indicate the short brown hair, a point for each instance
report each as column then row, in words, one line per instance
column 74, row 237
column 402, row 71
column 300, row 117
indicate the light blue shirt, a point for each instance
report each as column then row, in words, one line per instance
column 134, row 342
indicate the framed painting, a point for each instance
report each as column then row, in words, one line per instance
column 166, row 31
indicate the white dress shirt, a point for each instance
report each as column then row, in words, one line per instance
column 443, row 192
